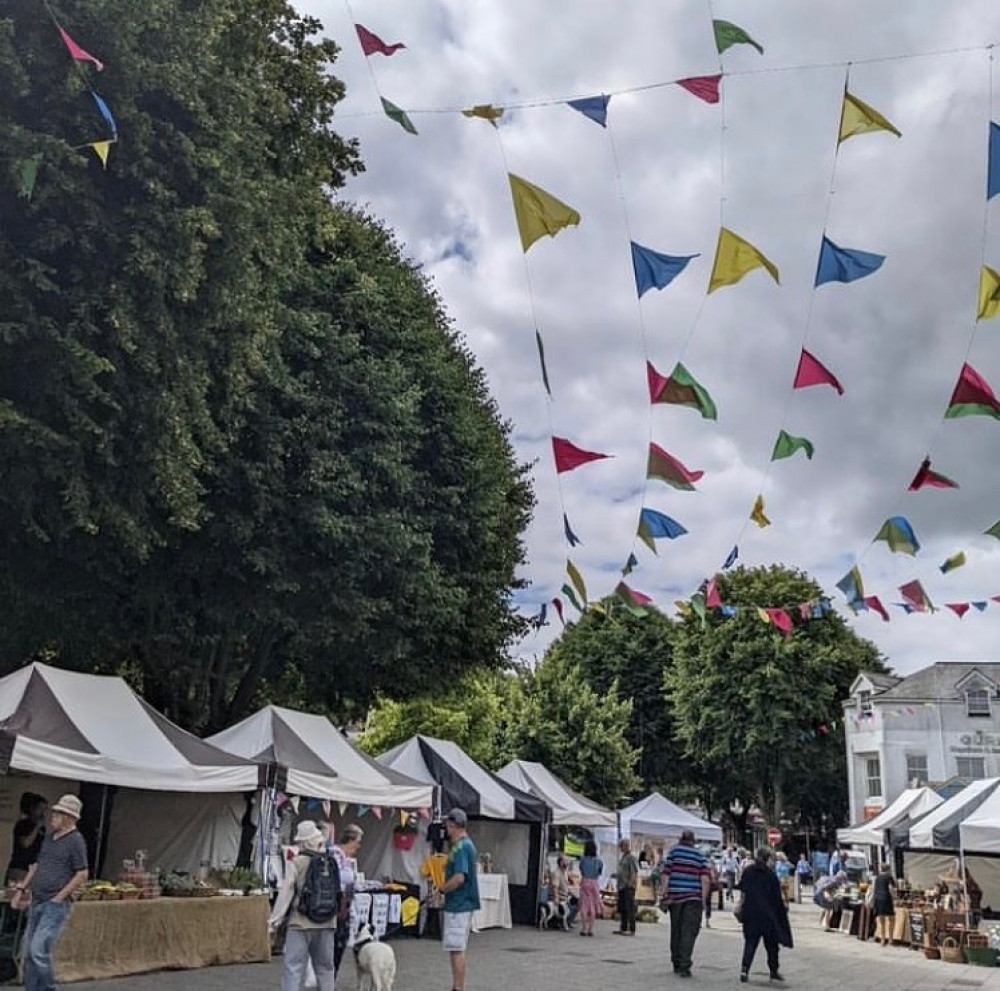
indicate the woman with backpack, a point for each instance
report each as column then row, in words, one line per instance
column 345, row 853
column 310, row 899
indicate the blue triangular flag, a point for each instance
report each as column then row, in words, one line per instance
column 656, row 524
column 653, row 270
column 993, row 170
column 731, row 560
column 844, row 264
column 905, row 606
column 981, row 606
column 105, row 113
column 571, row 538
column 630, row 564
column 543, row 615
column 728, row 611
column 594, row 107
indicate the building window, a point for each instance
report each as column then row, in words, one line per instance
column 865, row 701
column 977, row 702
column 916, row 769
column 971, row 767
column 873, row 777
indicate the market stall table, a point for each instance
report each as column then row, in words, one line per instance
column 114, row 938
column 494, row 899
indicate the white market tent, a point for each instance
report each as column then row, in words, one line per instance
column 657, row 816
column 939, row 828
column 980, row 832
column 911, row 803
column 569, row 808
column 313, row 758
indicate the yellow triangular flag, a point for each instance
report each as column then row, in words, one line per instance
column 538, row 212
column 101, row 149
column 989, row 294
column 762, row 615
column 734, row 257
column 403, row 816
column 486, row 111
column 577, row 579
column 757, row 513
column 856, row 117
column 343, row 808
column 326, row 808
column 294, row 802
column 684, row 607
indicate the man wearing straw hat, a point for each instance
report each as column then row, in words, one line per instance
column 48, row 888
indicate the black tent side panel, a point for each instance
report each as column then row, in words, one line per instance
column 455, row 790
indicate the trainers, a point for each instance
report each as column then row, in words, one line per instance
column 744, row 976
column 777, row 977
column 684, row 973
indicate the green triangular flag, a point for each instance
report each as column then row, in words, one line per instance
column 728, row 34
column 567, row 590
column 684, row 389
column 28, row 175
column 786, row 445
column 577, row 579
column 398, row 115
column 994, row 531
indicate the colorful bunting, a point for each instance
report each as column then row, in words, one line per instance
column 780, row 619
column 712, row 597
column 577, row 579
column 77, row 52
column 955, row 561
column 972, row 397
column 541, row 361
column 593, row 107
column 343, row 808
column 538, row 212
column 485, row 111
column 571, row 538
column 915, row 597
column 838, row 264
column 398, row 115
column 958, row 608
column 731, row 558
column 326, row 807
column 668, row 469
column 873, row 602
column 632, row 595
column 856, row 117
column 101, row 150
column 728, row 34
column 294, row 802
column 654, row 270
column 372, row 44
column 734, row 258
column 994, row 531
column 811, row 371
column 559, row 610
column 853, row 586
column 568, row 456
column 757, row 513
column 653, row 525
column 630, row 565
column 704, row 87
column 377, row 811
column 981, row 606
column 925, row 476
column 105, row 113
column 567, row 590
column 680, row 389
column 989, row 293
column 27, row 175
column 899, row 535
column 993, row 169
column 542, row 617
column 786, row 445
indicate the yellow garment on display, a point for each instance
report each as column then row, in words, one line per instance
column 433, row 867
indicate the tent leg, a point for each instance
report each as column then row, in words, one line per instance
column 965, row 887
column 101, row 845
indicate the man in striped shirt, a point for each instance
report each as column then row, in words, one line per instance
column 687, row 886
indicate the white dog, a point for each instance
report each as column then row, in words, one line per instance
column 375, row 961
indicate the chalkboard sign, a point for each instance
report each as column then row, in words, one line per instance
column 917, row 928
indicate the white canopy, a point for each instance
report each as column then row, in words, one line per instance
column 86, row 727
column 939, row 829
column 568, row 807
column 655, row 815
column 980, row 833
column 911, row 803
column 318, row 761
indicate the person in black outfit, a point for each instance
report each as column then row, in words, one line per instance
column 885, row 911
column 763, row 913
column 29, row 831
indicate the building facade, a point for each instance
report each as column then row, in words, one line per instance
column 939, row 723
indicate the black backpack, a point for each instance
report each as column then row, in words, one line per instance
column 319, row 899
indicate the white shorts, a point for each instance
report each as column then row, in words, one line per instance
column 455, row 928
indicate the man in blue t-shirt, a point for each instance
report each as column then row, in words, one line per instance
column 461, row 894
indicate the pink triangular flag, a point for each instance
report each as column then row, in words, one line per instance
column 656, row 382
column 813, row 372
column 377, row 811
column 958, row 608
column 78, row 53
column 704, row 87
column 874, row 602
column 424, row 813
column 712, row 598
column 781, row 620
column 372, row 43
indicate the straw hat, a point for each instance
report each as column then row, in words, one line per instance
column 69, row 805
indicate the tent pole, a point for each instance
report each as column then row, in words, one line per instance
column 965, row 887
column 101, row 840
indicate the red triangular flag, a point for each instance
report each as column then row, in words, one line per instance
column 704, row 87
column 372, row 43
column 656, row 382
column 781, row 620
column 559, row 609
column 568, row 456
column 973, row 390
column 958, row 608
column 77, row 52
column 712, row 598
column 813, row 372
column 925, row 476
column 873, row 602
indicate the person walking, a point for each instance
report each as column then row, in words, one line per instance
column 345, row 853
column 730, row 870
column 884, row 910
column 309, row 938
column 783, row 872
column 627, row 878
column 591, row 869
column 48, row 888
column 713, row 882
column 803, row 876
column 686, row 891
column 763, row 915
column 461, row 894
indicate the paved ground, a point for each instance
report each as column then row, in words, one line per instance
column 524, row 959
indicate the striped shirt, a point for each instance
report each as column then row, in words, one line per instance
column 684, row 867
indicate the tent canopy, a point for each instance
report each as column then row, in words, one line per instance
column 568, row 807
column 86, row 727
column 980, row 832
column 317, row 760
column 911, row 803
column 655, row 815
column 463, row 782
column 939, row 829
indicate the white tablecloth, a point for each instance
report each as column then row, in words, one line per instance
column 494, row 898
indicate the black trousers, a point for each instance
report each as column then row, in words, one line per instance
column 340, row 940
column 685, row 923
column 750, row 943
column 626, row 910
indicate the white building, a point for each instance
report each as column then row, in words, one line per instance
column 939, row 723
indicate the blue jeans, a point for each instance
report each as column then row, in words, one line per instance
column 46, row 921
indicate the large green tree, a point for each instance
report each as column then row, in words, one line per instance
column 763, row 705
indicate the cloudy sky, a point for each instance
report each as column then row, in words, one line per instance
column 663, row 174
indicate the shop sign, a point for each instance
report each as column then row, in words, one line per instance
column 978, row 743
